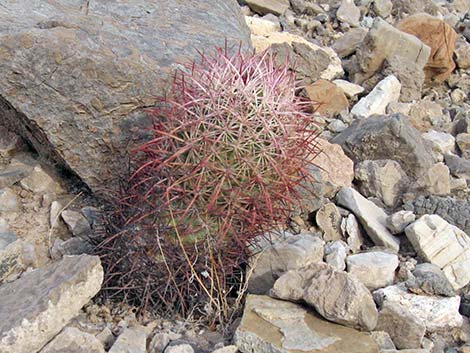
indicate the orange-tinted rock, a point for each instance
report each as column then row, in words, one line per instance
column 328, row 98
column 440, row 37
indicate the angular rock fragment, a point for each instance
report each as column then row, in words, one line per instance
column 328, row 219
column 263, row 7
column 72, row 340
column 132, row 340
column 335, row 254
column 398, row 221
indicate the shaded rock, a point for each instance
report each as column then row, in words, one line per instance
column 263, row 7
column 386, row 91
column 6, row 238
column 384, row 179
column 462, row 54
column 382, row 8
column 159, row 342
column 327, row 98
column 349, row 42
column 335, row 295
column 386, row 137
column 72, row 340
column 41, row 181
column 429, row 279
column 444, row 245
column 351, row 230
column 82, row 104
column 131, row 340
column 459, row 167
column 329, row 220
column 349, row 13
column 406, row 329
column 107, row 338
column 383, row 339
column 13, row 173
column 350, row 89
column 9, row 142
column 397, row 222
column 372, row 218
column 15, row 258
column 375, row 269
column 72, row 246
column 270, row 325
column 77, row 223
column 436, row 180
column 442, row 142
column 50, row 298
column 463, row 141
column 426, row 115
column 440, row 37
column 437, row 313
column 335, row 254
column 295, row 252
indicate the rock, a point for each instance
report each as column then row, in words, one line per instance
column 397, row 222
column 372, row 218
column 403, row 8
column 261, row 27
column 107, row 338
column 440, row 37
column 15, row 258
column 386, row 91
column 329, row 220
column 270, row 325
column 349, row 42
column 295, row 252
column 159, row 342
column 386, row 137
column 6, row 238
column 9, row 142
column 227, row 349
column 429, row 279
column 437, row 313
column 8, row 201
column 50, row 297
column 462, row 54
column 383, row 339
column 426, row 115
column 41, row 181
column 458, row 96
column 463, row 141
column 350, row 89
column 383, row 41
column 410, row 75
column 335, row 295
column 436, row 180
column 263, row 7
column 350, row 228
column 77, row 223
column 179, row 348
column 335, row 254
column 91, row 52
column 336, row 126
column 327, row 98
column 444, row 245
column 454, row 211
column 349, row 13
column 384, row 179
column 13, row 173
column 312, row 62
column 459, row 167
column 382, row 8
column 406, row 329
column 457, row 184
column 375, row 269
column 72, row 246
column 131, row 340
column 442, row 142
column 72, row 340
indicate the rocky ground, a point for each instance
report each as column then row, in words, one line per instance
column 379, row 257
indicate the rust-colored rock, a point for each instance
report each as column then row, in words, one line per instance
column 440, row 37
column 327, row 98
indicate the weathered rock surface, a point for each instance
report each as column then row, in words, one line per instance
column 263, row 7
column 101, row 63
column 351, row 230
column 328, row 219
column 335, row 254
column 350, row 89
column 275, row 326
column 372, row 217
column 131, row 340
column 386, row 137
column 444, row 245
column 37, row 306
column 349, row 13
column 349, row 42
column 397, row 222
column 429, row 279
column 72, row 340
column 327, row 98
column 335, row 295
column 375, row 269
column 436, row 180
column 425, row 115
column 459, row 167
column 463, row 141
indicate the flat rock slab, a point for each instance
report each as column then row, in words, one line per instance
column 275, row 326
column 37, row 306
column 78, row 74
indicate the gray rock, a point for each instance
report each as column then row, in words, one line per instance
column 386, row 137
column 295, row 252
column 72, row 340
column 375, row 269
column 372, row 217
column 131, row 340
column 397, row 222
column 349, row 42
column 89, row 51
column 8, row 201
column 274, row 326
column 429, row 279
column 72, row 246
column 50, row 297
column 463, row 141
column 383, row 340
column 180, row 348
column 263, row 7
column 107, row 338
column 41, row 181
column 329, row 220
column 13, row 173
column 382, row 8
column 15, row 258
column 6, row 238
column 349, row 13
column 77, row 223
column 459, row 167
column 335, row 295
column 9, row 142
column 351, row 230
column 159, row 342
column 335, row 254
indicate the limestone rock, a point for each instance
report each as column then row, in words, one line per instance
column 437, row 313
column 350, row 89
column 261, row 27
column 440, row 37
column 295, row 252
column 263, row 7
column 351, row 230
column 335, row 254
column 327, row 99
column 335, row 295
column 444, row 245
column 375, row 269
column 349, row 13
column 329, row 220
column 72, row 340
column 386, row 91
column 131, row 340
column 397, row 222
column 372, row 218
column 82, row 104
column 463, row 141
column 386, row 137
column 50, row 297
column 442, row 142
column 275, row 326
column 436, row 180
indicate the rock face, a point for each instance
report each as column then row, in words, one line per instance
column 50, row 297
column 101, row 63
column 386, row 137
column 375, row 269
column 275, row 326
column 335, row 295
column 444, row 245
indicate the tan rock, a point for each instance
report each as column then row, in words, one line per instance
column 327, row 98
column 72, row 340
column 436, row 180
column 328, row 219
column 263, row 7
column 261, row 27
column 463, row 141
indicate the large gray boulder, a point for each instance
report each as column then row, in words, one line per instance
column 76, row 75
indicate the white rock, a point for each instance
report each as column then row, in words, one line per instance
column 436, row 180
column 180, row 348
column 335, row 254
column 444, row 245
column 350, row 228
column 350, row 89
column 386, row 91
column 372, row 217
column 374, row 269
column 437, row 313
column 349, row 13
column 261, row 27
column 131, row 340
column 442, row 142
column 398, row 221
column 227, row 349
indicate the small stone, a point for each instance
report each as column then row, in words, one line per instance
column 180, row 348
column 463, row 141
column 350, row 228
column 8, row 201
column 159, row 342
column 383, row 340
column 459, row 167
column 457, row 184
column 76, row 223
column 263, row 7
column 462, row 54
column 398, row 221
column 261, row 27
column 426, row 115
column 399, row 107
column 429, row 279
column 327, row 99
column 107, row 338
column 40, row 181
column 9, row 142
column 436, row 180
column 442, row 142
column 348, row 43
column 226, row 349
column 375, row 269
column 329, row 220
column 458, row 96
column 72, row 340
column 131, row 340
column 336, row 126
column 386, row 91
column 335, row 254
column 13, row 173
column 350, row 89
column 72, row 246
column 383, row 8
column 349, row 13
